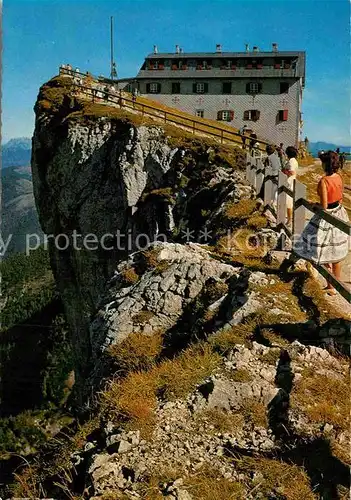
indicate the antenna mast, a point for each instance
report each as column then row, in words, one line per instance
column 113, row 64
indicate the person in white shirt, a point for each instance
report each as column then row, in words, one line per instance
column 290, row 169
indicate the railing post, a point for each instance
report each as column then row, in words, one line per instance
column 281, row 210
column 248, row 168
column 299, row 211
column 259, row 175
column 268, row 186
column 165, row 116
column 253, row 172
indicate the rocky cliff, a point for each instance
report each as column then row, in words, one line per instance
column 196, row 354
column 101, row 181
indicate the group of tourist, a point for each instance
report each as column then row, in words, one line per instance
column 321, row 242
column 252, row 138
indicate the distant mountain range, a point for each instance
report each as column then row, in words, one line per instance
column 314, row 147
column 19, row 215
column 16, row 152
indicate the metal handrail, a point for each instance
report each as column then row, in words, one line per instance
column 223, row 133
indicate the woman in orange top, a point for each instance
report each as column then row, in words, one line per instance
column 321, row 241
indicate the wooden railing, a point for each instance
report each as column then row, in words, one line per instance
column 150, row 108
column 263, row 180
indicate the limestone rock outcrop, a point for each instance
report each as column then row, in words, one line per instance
column 100, row 183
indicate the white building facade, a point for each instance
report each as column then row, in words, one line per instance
column 260, row 89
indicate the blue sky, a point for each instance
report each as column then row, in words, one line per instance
column 39, row 35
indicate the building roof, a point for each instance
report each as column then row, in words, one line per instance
column 298, row 71
column 227, row 55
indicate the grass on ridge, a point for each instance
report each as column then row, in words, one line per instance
column 133, row 399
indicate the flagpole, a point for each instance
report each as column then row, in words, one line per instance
column 111, row 32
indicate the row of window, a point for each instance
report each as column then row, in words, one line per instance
column 202, row 88
column 227, row 115
column 227, row 64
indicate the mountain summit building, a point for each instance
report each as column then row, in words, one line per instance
column 260, row 89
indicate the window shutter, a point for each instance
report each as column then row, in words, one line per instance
column 247, row 88
column 205, row 87
column 284, row 87
column 158, row 88
column 194, row 88
column 258, row 114
column 260, row 87
column 285, row 115
column 246, row 115
column 226, row 88
column 231, row 116
column 148, row 88
column 219, row 115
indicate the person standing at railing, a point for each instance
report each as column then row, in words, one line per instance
column 253, row 142
column 322, row 242
column 242, row 132
column 281, row 154
column 290, row 169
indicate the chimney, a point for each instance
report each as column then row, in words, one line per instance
column 218, row 47
column 181, row 51
column 177, row 49
column 256, row 49
column 155, row 49
column 247, row 48
column 274, row 47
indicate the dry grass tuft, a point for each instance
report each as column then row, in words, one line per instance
column 257, row 221
column 216, row 290
column 142, row 317
column 129, row 276
column 179, row 376
column 29, row 481
column 222, row 420
column 271, row 357
column 323, row 398
column 151, row 259
column 133, row 399
column 165, row 193
column 273, row 338
column 239, row 375
column 243, row 244
column 342, row 452
column 137, row 352
column 206, row 484
column 240, row 210
column 276, row 479
column 254, row 412
column 226, row 339
column 209, row 314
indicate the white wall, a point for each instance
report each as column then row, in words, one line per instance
column 269, row 102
